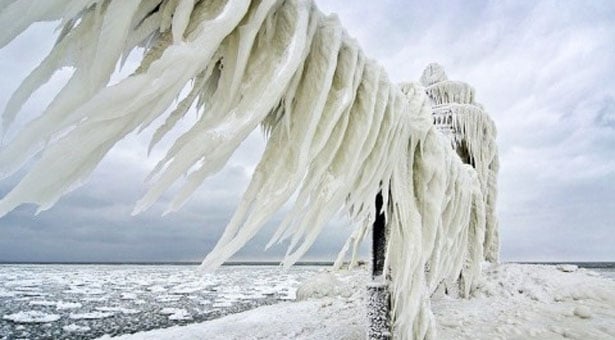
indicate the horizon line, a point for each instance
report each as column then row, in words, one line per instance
column 257, row 263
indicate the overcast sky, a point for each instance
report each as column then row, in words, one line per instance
column 544, row 70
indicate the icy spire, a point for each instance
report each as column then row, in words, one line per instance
column 433, row 73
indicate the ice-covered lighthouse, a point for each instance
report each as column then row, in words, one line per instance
column 471, row 133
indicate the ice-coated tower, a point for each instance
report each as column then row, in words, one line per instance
column 472, row 135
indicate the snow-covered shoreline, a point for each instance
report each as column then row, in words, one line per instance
column 512, row 301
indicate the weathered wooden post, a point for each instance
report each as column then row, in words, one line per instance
column 378, row 295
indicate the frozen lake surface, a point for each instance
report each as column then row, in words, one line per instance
column 88, row 301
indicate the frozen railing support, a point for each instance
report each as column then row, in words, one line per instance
column 378, row 295
column 379, row 311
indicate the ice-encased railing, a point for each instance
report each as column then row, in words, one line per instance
column 338, row 130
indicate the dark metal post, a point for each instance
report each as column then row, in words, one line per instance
column 378, row 239
column 378, row 296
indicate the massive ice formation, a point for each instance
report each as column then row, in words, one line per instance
column 338, row 130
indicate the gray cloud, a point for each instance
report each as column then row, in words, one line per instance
column 542, row 69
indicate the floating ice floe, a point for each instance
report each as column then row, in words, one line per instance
column 58, row 304
column 118, row 310
column 156, row 289
column 96, row 298
column 68, row 305
column 186, row 289
column 128, row 296
column 168, row 298
column 41, row 303
column 6, row 293
column 90, row 315
column 29, row 293
column 31, row 317
column 222, row 304
column 176, row 313
column 180, row 316
column 74, row 328
column 85, row 291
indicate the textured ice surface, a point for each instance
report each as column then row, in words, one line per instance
column 529, row 302
column 40, row 301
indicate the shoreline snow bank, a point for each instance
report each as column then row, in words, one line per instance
column 520, row 301
column 512, row 301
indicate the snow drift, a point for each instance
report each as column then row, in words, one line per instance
column 338, row 130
